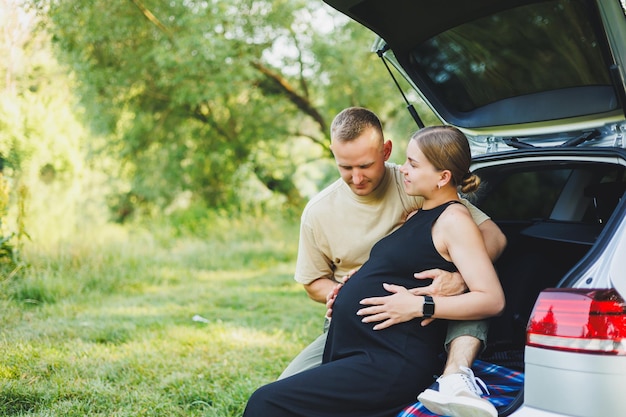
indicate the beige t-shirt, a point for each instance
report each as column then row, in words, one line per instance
column 338, row 228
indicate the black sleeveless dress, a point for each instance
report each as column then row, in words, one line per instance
column 366, row 372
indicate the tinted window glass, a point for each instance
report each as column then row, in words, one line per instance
column 525, row 195
column 529, row 49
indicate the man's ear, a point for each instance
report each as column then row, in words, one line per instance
column 387, row 146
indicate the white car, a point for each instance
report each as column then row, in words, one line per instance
column 538, row 87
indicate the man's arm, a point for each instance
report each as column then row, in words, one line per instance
column 319, row 289
column 495, row 240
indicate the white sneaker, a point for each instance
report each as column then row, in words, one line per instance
column 458, row 395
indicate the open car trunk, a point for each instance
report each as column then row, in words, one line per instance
column 557, row 218
column 538, row 88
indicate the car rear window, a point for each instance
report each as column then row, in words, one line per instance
column 534, row 48
column 526, row 195
column 531, row 193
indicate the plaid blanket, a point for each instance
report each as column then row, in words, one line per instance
column 504, row 384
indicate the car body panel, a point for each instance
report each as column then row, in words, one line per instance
column 614, row 15
column 581, row 92
column 526, row 411
column 602, row 274
column 617, row 265
column 551, row 377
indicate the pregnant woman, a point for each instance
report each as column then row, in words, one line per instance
column 376, row 373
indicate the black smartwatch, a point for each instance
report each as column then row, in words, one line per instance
column 429, row 306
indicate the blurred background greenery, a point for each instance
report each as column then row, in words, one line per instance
column 154, row 160
column 114, row 111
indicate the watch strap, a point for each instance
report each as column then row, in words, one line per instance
column 429, row 306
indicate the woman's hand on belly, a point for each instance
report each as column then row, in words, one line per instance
column 398, row 307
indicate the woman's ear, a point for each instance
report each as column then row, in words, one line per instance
column 446, row 177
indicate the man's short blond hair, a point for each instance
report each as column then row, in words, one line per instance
column 350, row 123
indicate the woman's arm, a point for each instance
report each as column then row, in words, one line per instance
column 458, row 239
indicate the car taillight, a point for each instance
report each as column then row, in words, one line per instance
column 580, row 320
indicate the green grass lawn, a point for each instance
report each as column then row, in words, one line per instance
column 103, row 326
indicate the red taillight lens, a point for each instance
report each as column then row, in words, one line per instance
column 581, row 320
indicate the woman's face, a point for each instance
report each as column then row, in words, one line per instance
column 420, row 176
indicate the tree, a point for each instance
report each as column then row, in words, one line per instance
column 45, row 180
column 209, row 96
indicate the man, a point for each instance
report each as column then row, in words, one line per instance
column 341, row 224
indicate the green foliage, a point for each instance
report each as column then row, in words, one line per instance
column 207, row 119
column 179, row 98
column 211, row 97
column 104, row 326
column 224, row 102
column 50, row 187
column 7, row 258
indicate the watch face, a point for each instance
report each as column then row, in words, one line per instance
column 429, row 306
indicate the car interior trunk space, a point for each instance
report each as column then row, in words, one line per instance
column 551, row 218
column 527, row 266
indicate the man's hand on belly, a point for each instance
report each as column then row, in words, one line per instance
column 444, row 283
column 332, row 295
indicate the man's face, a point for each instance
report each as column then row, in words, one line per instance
column 361, row 161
